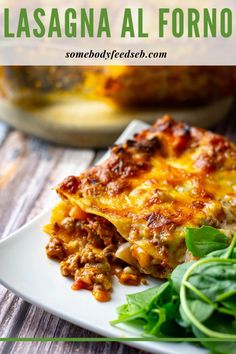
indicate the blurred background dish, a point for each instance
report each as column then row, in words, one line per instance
column 90, row 106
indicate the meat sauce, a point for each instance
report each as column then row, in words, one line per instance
column 85, row 245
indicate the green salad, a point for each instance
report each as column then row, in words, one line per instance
column 199, row 298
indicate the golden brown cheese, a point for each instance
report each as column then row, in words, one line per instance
column 151, row 188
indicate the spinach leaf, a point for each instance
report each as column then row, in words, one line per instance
column 178, row 273
column 230, row 304
column 221, row 324
column 215, row 280
column 156, row 309
column 144, row 298
column 222, row 254
column 203, row 240
column 139, row 303
column 155, row 319
column 163, row 296
column 229, row 252
column 201, row 309
column 129, row 312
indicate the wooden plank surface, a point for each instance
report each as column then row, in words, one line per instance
column 29, row 168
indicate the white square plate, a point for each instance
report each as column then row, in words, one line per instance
column 26, row 270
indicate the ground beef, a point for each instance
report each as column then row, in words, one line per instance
column 88, row 254
column 55, row 249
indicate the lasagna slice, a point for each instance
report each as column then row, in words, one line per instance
column 128, row 215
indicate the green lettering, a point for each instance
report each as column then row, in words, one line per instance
column 54, row 25
column 23, row 24
column 103, row 25
column 7, row 33
column 193, row 20
column 87, row 23
column 209, row 22
column 141, row 33
column 226, row 23
column 162, row 21
column 40, row 31
column 127, row 26
column 70, row 27
column 178, row 22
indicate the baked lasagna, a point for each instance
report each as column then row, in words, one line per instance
column 124, row 86
column 127, row 216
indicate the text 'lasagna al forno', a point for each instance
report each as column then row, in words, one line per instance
column 128, row 215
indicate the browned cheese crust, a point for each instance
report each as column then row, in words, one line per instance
column 150, row 189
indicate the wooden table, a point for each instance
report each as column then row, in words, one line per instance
column 29, row 168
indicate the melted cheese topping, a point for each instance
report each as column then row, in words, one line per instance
column 151, row 188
